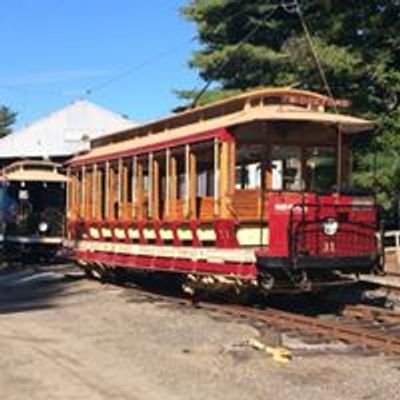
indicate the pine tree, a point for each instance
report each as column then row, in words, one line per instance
column 7, row 119
column 358, row 45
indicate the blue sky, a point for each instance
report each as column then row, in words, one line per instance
column 54, row 50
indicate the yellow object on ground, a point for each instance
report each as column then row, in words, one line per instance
column 279, row 354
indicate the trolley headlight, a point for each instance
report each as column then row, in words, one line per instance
column 43, row 227
column 330, row 226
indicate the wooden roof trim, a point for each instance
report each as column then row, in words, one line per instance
column 25, row 171
column 197, row 132
column 115, row 154
column 218, row 109
column 23, row 164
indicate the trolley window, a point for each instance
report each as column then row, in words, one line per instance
column 286, row 168
column 249, row 166
column 320, row 174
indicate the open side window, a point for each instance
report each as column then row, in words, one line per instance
column 286, row 162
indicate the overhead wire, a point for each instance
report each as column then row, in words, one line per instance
column 229, row 18
column 239, row 46
column 150, row 60
column 130, row 71
column 291, row 7
column 119, row 76
column 296, row 8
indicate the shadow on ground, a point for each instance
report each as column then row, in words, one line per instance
column 33, row 288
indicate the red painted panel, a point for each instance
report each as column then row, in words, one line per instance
column 221, row 133
column 357, row 225
column 356, row 234
column 168, row 264
column 279, row 206
column 225, row 233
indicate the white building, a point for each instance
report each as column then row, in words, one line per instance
column 61, row 134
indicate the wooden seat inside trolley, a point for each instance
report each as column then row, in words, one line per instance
column 205, row 177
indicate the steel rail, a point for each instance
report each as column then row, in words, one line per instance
column 371, row 313
column 328, row 329
column 338, row 330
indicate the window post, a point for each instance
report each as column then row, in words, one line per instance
column 107, row 190
column 174, row 187
column 167, row 182
column 187, row 181
column 119, row 189
column 193, row 185
column 339, row 159
column 216, row 177
column 94, row 191
column 134, row 186
column 68, row 199
column 150, row 186
column 83, row 192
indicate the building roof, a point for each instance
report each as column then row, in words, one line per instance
column 199, row 128
column 63, row 133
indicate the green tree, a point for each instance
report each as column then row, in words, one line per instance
column 7, row 119
column 357, row 42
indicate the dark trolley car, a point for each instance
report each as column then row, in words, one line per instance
column 32, row 202
column 250, row 191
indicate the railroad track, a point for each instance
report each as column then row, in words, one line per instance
column 370, row 313
column 350, row 327
column 359, row 325
column 362, row 325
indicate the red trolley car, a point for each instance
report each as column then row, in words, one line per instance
column 246, row 191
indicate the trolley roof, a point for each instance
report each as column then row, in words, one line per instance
column 272, row 105
column 33, row 171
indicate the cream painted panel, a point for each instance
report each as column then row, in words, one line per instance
column 166, row 234
column 133, row 233
column 185, row 234
column 94, row 233
column 106, row 232
column 149, row 233
column 252, row 236
column 119, row 233
column 206, row 234
column 208, row 254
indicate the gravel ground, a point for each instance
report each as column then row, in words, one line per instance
column 77, row 339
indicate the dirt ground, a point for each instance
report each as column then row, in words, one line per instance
column 70, row 338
